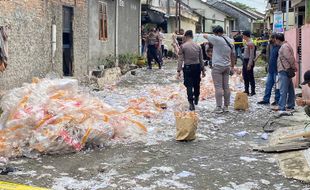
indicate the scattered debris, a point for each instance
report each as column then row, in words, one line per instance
column 241, row 133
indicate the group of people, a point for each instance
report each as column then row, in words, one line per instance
column 281, row 68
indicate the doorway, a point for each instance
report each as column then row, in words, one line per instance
column 67, row 41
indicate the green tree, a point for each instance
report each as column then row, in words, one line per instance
column 242, row 6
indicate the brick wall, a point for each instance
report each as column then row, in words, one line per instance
column 30, row 38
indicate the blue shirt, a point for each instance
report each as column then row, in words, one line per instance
column 274, row 53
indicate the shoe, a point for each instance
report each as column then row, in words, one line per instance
column 225, row 109
column 253, row 93
column 284, row 113
column 275, row 108
column 218, row 110
column 196, row 101
column 247, row 92
column 274, row 103
column 263, row 103
column 290, row 109
column 191, row 106
column 149, row 68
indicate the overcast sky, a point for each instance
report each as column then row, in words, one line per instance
column 260, row 5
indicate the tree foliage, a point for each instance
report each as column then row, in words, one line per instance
column 242, row 6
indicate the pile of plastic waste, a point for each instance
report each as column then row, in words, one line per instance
column 54, row 117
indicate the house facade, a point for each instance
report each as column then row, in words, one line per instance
column 170, row 15
column 211, row 16
column 29, row 28
column 244, row 19
column 113, row 28
column 81, row 32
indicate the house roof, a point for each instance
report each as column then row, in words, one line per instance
column 217, row 9
column 245, row 12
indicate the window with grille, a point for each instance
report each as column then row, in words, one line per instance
column 103, row 21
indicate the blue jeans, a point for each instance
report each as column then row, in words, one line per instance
column 270, row 83
column 239, row 53
column 287, row 92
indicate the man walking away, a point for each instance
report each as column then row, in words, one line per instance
column 152, row 48
column 221, row 63
column 273, row 52
column 190, row 56
column 248, row 64
column 286, row 68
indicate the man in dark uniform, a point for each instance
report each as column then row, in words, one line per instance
column 190, row 57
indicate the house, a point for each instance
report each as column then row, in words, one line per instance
column 211, row 16
column 114, row 28
column 183, row 16
column 170, row 15
column 82, row 31
column 243, row 19
column 275, row 7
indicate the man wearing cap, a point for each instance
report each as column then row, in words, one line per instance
column 305, row 102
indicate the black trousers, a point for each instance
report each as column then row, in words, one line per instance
column 192, row 81
column 248, row 76
column 152, row 53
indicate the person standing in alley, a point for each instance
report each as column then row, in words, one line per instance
column 286, row 69
column 222, row 64
column 153, row 41
column 248, row 64
column 272, row 56
column 238, row 45
column 191, row 62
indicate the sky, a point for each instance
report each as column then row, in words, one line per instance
column 260, row 5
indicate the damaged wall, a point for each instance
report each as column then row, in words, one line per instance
column 30, row 38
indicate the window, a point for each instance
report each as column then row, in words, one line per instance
column 103, row 22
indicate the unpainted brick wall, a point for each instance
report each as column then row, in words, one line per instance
column 30, row 38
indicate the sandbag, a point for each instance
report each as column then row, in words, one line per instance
column 241, row 101
column 186, row 125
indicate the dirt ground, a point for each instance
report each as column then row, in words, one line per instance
column 219, row 159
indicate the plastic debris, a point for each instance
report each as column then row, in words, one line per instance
column 264, row 136
column 53, row 116
column 185, row 174
column 241, row 133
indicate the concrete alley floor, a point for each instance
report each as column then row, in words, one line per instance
column 217, row 160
